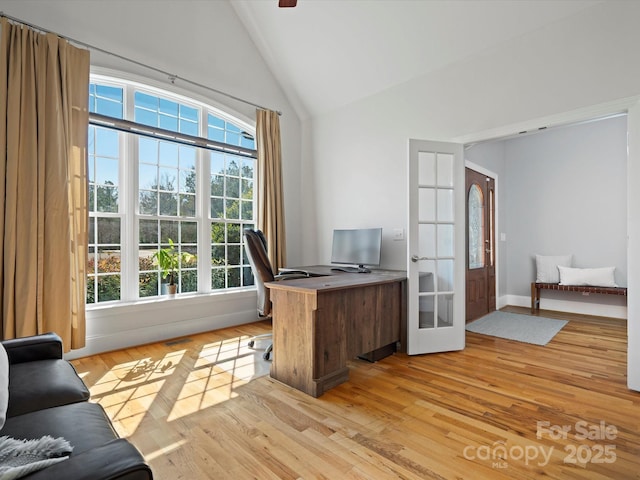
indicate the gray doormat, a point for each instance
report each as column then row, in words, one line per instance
column 515, row 326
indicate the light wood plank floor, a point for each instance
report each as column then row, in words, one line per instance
column 495, row 410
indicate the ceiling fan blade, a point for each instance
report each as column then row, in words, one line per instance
column 287, row 3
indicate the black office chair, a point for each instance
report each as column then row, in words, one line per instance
column 256, row 247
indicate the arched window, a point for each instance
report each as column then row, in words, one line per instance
column 165, row 169
column 475, row 211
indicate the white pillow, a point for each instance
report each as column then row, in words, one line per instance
column 593, row 277
column 547, row 267
column 4, row 385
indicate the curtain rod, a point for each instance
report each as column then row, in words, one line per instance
column 172, row 77
column 127, row 126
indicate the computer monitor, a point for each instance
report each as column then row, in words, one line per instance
column 359, row 246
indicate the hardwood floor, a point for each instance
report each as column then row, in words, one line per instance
column 495, row 410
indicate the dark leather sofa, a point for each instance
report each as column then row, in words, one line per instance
column 47, row 397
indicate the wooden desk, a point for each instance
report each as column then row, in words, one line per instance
column 321, row 322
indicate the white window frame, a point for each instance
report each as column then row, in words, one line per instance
column 128, row 196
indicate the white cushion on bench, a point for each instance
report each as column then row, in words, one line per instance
column 594, row 277
column 547, row 267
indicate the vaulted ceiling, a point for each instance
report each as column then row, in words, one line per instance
column 330, row 53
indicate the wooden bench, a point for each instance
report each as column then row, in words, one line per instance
column 537, row 287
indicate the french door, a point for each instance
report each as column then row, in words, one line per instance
column 436, row 247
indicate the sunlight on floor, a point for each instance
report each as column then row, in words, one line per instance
column 220, row 368
column 131, row 390
column 235, row 357
column 164, row 450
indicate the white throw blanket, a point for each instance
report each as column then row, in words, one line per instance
column 21, row 457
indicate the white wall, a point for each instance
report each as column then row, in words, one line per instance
column 206, row 43
column 567, row 195
column 560, row 72
column 633, row 239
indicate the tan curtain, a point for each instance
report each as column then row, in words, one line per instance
column 270, row 195
column 44, row 85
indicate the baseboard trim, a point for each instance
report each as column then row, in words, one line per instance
column 107, row 342
column 583, row 308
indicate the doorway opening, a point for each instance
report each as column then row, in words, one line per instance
column 546, row 172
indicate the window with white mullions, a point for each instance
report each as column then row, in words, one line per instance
column 160, row 112
column 105, row 219
column 167, row 178
column 232, row 201
column 225, row 132
column 106, row 99
column 166, row 199
column 155, row 234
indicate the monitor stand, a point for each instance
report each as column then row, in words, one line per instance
column 358, row 269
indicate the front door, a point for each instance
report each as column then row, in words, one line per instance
column 480, row 257
column 435, row 267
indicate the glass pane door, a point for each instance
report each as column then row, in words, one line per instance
column 436, row 239
column 436, row 247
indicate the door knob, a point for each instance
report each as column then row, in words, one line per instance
column 415, row 258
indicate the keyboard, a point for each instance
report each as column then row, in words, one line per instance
column 285, row 271
column 351, row 269
column 289, row 271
